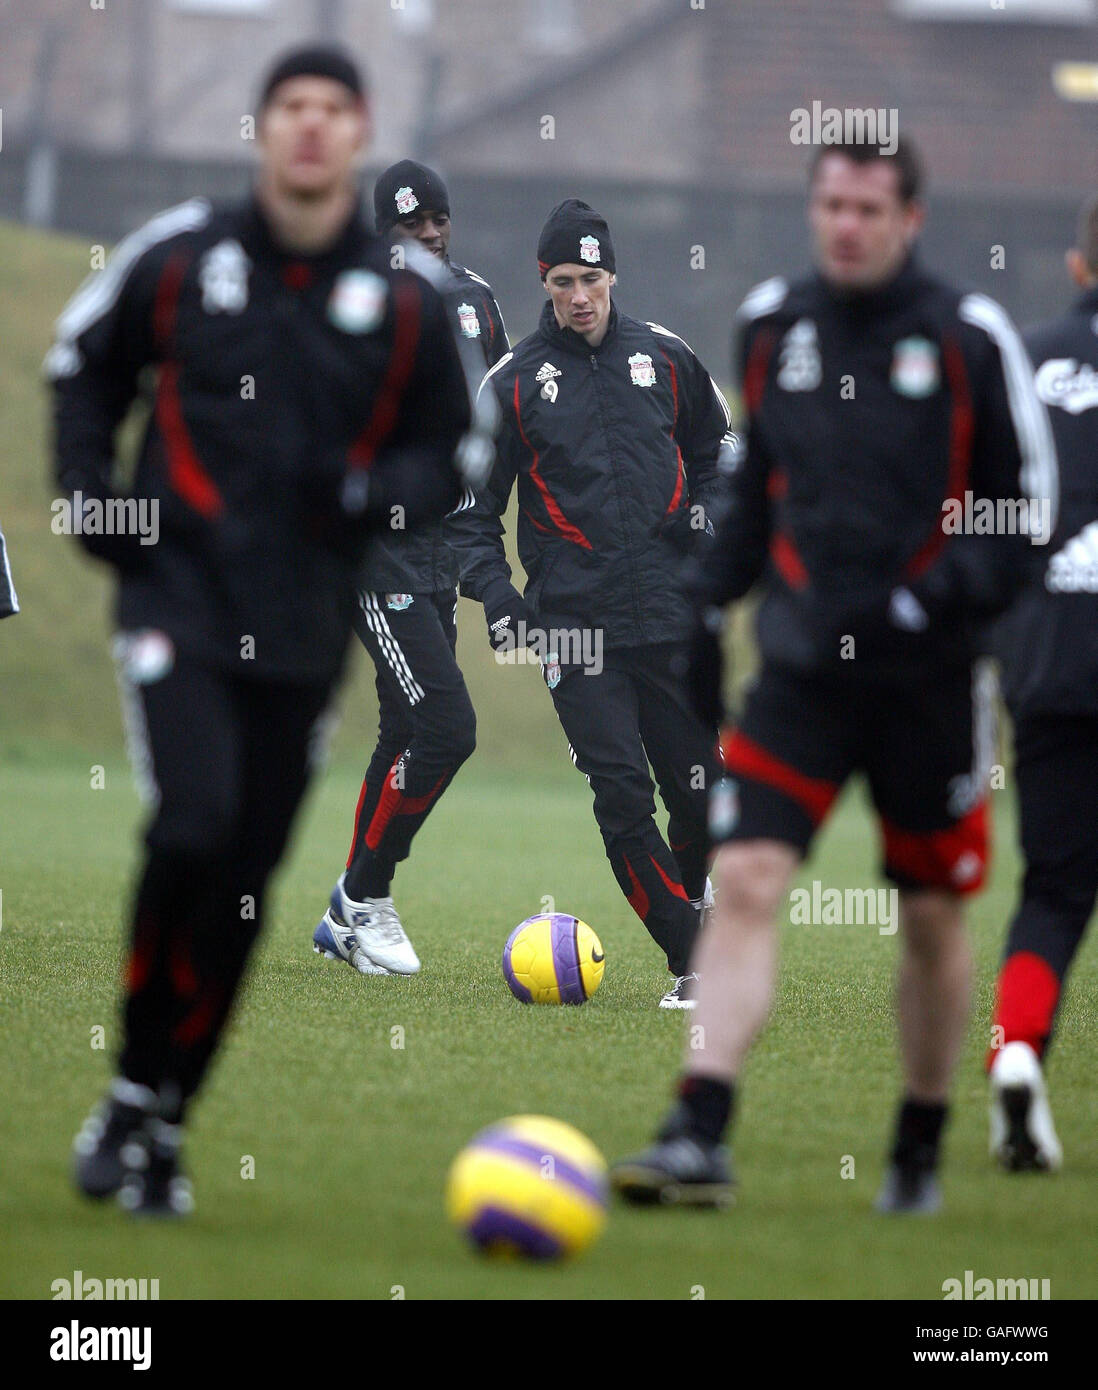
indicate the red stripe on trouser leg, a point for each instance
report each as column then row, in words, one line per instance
column 747, row 759
column 358, row 817
column 412, row 805
column 670, row 884
column 638, row 898
column 954, row 858
column 1026, row 995
column 139, row 965
column 183, row 976
column 385, row 809
column 198, row 1022
column 393, row 802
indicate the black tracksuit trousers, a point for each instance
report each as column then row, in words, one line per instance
column 632, row 713
column 427, row 729
column 226, row 760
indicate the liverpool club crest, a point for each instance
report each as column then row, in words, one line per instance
column 641, row 370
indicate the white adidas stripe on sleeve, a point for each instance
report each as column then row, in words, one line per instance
column 492, row 371
column 763, row 299
column 100, row 291
column 7, row 584
column 666, row 333
column 1040, row 473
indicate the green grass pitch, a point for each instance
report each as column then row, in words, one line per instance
column 350, row 1136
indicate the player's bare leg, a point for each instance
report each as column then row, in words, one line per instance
column 932, row 1001
column 736, row 961
column 736, row 956
column 933, row 991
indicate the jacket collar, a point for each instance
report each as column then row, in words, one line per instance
column 870, row 303
column 1087, row 302
column 258, row 239
column 567, row 338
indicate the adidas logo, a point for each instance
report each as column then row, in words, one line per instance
column 1074, row 570
column 546, row 372
column 1067, row 383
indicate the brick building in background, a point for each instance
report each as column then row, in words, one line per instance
column 673, row 116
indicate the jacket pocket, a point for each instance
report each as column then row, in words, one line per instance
column 535, row 590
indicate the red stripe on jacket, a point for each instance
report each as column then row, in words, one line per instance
column 186, row 473
column 386, row 411
column 681, row 475
column 961, row 430
column 563, row 525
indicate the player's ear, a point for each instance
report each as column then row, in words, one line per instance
column 1077, row 267
column 365, row 134
column 914, row 217
column 613, row 278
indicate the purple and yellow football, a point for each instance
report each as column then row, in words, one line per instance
column 553, row 959
column 529, row 1186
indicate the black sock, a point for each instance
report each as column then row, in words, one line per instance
column 918, row 1132
column 369, row 876
column 704, row 1109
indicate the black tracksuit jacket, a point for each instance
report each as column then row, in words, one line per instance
column 424, row 561
column 606, row 444
column 1050, row 638
column 276, row 376
column 864, row 415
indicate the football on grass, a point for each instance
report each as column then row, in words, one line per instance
column 553, row 959
column 528, row 1186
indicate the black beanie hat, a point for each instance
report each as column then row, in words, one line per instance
column 404, row 187
column 575, row 234
column 315, row 60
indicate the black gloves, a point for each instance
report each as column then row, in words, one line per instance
column 509, row 622
column 123, row 549
column 891, row 622
column 682, row 530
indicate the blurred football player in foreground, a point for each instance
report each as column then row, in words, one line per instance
column 305, row 394
column 878, row 399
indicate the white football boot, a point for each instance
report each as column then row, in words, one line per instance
column 1022, row 1134
column 378, row 930
column 334, row 940
column 681, row 993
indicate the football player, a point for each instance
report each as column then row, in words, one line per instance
column 612, row 429
column 877, row 397
column 406, row 618
column 1050, row 663
column 303, row 390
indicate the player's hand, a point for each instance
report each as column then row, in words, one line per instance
column 476, row 453
column 906, row 612
column 683, row 529
column 123, row 551
column 509, row 623
column 890, row 623
column 705, row 668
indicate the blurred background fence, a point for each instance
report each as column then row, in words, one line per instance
column 673, row 117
